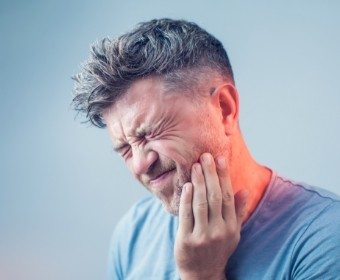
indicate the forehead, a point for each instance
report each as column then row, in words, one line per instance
column 143, row 105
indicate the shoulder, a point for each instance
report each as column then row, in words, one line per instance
column 289, row 208
column 306, row 205
column 303, row 199
column 316, row 215
column 293, row 234
column 311, row 191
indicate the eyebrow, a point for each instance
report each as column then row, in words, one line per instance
column 142, row 130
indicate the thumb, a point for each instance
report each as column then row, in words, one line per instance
column 241, row 198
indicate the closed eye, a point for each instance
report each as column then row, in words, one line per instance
column 124, row 151
column 121, row 148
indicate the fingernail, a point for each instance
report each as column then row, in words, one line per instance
column 221, row 162
column 188, row 188
column 197, row 168
column 206, row 158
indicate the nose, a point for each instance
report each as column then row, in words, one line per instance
column 142, row 159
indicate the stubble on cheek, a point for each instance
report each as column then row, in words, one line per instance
column 183, row 177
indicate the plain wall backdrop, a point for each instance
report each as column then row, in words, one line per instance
column 62, row 189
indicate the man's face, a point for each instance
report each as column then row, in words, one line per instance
column 161, row 134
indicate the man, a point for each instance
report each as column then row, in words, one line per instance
column 166, row 93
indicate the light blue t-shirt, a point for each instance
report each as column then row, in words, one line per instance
column 294, row 233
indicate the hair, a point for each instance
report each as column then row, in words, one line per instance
column 177, row 51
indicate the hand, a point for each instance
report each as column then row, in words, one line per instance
column 210, row 221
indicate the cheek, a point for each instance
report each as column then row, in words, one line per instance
column 181, row 152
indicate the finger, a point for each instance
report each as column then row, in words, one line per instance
column 199, row 202
column 228, row 208
column 185, row 216
column 241, row 206
column 213, row 189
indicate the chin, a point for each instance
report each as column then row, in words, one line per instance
column 171, row 195
column 172, row 206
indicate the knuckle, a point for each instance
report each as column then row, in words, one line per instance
column 214, row 197
column 186, row 215
column 232, row 230
column 186, row 242
column 202, row 205
column 218, row 237
column 228, row 197
column 199, row 179
column 201, row 242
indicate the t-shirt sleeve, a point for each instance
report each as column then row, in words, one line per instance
column 114, row 267
column 124, row 238
column 317, row 253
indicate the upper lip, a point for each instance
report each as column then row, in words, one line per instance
column 159, row 175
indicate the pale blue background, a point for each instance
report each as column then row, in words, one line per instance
column 62, row 189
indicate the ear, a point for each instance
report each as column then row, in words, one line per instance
column 227, row 99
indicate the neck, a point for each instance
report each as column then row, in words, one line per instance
column 247, row 174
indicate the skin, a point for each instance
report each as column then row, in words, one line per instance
column 210, row 221
column 196, row 143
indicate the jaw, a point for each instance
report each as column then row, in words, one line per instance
column 173, row 207
column 171, row 200
column 171, row 203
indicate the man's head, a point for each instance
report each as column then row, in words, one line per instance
column 166, row 93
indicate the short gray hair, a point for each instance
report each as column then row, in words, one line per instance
column 170, row 49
